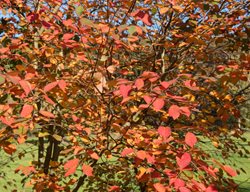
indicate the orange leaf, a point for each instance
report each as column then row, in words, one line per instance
column 230, row 171
column 26, row 86
column 47, row 114
column 141, row 154
column 26, row 110
column 190, row 139
column 71, row 166
column 159, row 187
column 87, row 170
column 50, row 86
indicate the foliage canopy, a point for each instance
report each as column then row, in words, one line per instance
column 119, row 94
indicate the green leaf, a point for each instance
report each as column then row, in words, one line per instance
column 79, row 10
column 131, row 29
column 2, row 79
column 87, row 22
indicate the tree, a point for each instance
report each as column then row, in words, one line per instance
column 124, row 91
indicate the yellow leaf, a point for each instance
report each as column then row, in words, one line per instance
column 163, row 10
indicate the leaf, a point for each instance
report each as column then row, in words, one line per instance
column 163, row 10
column 26, row 110
column 166, row 84
column 185, row 111
column 114, row 188
column 147, row 99
column 211, row 188
column 71, row 166
column 230, row 171
column 93, row 155
column 50, row 86
column 179, row 183
column 26, row 86
column 124, row 90
column 143, row 16
column 184, row 161
column 62, row 84
column 43, row 134
column 191, row 85
column 47, row 114
column 79, row 10
column 57, row 137
column 126, row 151
column 141, row 154
column 85, row 21
column 139, row 83
column 165, row 132
column 158, row 104
column 68, row 36
column 2, row 79
column 174, row 111
column 159, row 187
column 87, row 170
column 184, row 189
column 190, row 139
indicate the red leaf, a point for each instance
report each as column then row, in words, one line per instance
column 50, row 86
column 139, row 83
column 165, row 132
column 184, row 189
column 211, row 189
column 62, row 84
column 114, row 188
column 185, row 111
column 124, row 90
column 230, row 171
column 174, row 111
column 71, row 166
column 191, row 85
column 26, row 110
column 48, row 99
column 143, row 16
column 68, row 36
column 190, row 139
column 87, row 170
column 158, row 104
column 147, row 99
column 159, row 187
column 26, row 86
column 184, row 161
column 126, row 151
column 179, row 183
column 166, row 84
column 47, row 114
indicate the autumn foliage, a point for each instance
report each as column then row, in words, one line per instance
column 119, row 94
